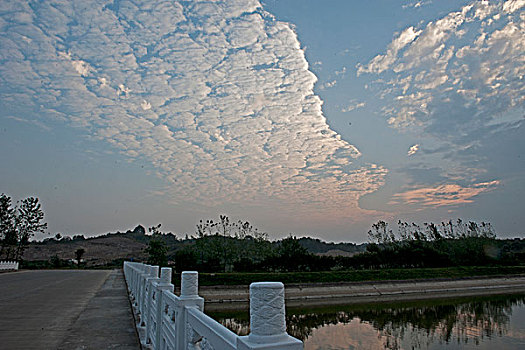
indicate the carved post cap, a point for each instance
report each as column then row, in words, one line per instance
column 165, row 275
column 267, row 314
column 189, row 284
column 154, row 271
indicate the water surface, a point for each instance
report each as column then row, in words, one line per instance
column 466, row 323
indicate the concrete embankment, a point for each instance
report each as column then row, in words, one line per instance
column 316, row 294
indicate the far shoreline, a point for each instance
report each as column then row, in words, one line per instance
column 229, row 298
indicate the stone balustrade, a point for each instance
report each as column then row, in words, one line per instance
column 8, row 265
column 170, row 322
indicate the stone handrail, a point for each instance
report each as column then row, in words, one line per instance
column 167, row 321
column 8, row 265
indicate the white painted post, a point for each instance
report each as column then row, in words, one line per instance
column 164, row 284
column 153, row 278
column 142, row 287
column 189, row 297
column 267, row 320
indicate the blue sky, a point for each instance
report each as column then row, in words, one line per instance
column 312, row 117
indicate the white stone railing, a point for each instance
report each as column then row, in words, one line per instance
column 8, row 265
column 170, row 322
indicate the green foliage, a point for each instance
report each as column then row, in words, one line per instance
column 290, row 256
column 56, row 262
column 446, row 244
column 156, row 251
column 224, row 246
column 18, row 224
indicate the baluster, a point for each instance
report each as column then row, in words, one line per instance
column 189, row 297
column 267, row 319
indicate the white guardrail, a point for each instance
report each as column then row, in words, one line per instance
column 8, row 265
column 170, row 322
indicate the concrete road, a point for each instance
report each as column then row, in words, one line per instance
column 61, row 309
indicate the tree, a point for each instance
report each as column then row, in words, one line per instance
column 18, row 224
column 225, row 245
column 7, row 225
column 155, row 230
column 157, row 253
column 29, row 221
column 449, row 243
column 78, row 254
column 291, row 255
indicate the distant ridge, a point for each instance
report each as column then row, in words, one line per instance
column 112, row 248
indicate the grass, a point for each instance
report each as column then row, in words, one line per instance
column 235, row 278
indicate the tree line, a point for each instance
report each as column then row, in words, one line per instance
column 227, row 246
column 450, row 243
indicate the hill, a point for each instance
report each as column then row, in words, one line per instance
column 99, row 251
column 318, row 247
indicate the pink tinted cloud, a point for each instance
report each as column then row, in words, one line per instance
column 443, row 195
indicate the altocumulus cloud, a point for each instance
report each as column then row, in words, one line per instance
column 216, row 94
column 458, row 81
column 465, row 69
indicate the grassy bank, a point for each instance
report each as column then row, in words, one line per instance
column 211, row 279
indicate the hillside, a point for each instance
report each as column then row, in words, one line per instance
column 316, row 246
column 99, row 251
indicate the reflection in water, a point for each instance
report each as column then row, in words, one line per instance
column 455, row 323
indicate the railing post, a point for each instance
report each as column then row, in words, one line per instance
column 267, row 320
column 189, row 297
column 267, row 314
column 164, row 284
column 144, row 273
column 150, row 281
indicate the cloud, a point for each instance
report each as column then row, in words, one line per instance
column 416, row 4
column 442, row 195
column 413, row 150
column 380, row 63
column 465, row 68
column 353, row 106
column 26, row 121
column 216, row 95
column 456, row 81
column 341, row 72
column 328, row 85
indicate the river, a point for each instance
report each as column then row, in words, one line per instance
column 468, row 323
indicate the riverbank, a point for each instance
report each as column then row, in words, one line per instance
column 219, row 298
column 355, row 275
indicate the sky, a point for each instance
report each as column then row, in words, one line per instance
column 311, row 117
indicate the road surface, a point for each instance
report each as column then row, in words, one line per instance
column 65, row 309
